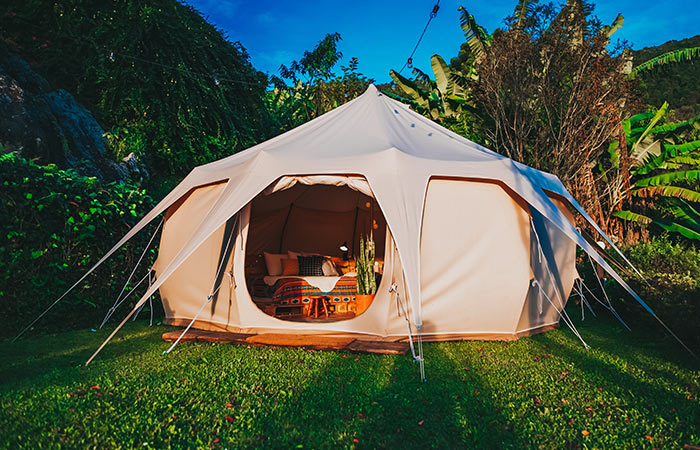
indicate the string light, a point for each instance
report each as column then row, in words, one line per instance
column 433, row 14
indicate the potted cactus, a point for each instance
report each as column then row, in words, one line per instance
column 364, row 267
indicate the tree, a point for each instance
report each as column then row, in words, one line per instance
column 320, row 90
column 162, row 81
column 552, row 94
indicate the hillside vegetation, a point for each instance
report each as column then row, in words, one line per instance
column 677, row 84
column 163, row 82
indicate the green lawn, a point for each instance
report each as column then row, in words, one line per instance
column 547, row 391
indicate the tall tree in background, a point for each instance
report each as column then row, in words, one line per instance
column 315, row 88
column 553, row 94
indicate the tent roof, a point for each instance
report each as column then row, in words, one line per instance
column 370, row 124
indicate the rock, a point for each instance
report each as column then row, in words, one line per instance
column 50, row 126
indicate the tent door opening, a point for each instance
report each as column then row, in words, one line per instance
column 305, row 235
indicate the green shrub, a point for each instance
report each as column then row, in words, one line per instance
column 673, row 273
column 55, row 225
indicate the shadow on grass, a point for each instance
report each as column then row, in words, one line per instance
column 622, row 375
column 372, row 401
column 31, row 358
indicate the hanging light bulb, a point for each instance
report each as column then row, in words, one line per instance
column 216, row 81
column 111, row 56
column 409, row 64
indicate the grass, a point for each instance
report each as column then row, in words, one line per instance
column 629, row 391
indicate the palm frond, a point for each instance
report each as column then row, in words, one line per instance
column 522, row 9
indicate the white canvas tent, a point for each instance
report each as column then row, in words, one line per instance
column 476, row 244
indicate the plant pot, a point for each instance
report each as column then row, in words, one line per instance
column 362, row 302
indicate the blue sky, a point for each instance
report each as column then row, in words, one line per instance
column 381, row 34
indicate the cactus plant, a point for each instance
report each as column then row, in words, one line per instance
column 364, row 266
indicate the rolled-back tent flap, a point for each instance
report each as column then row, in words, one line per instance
column 355, row 183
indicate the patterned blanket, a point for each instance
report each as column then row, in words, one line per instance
column 293, row 291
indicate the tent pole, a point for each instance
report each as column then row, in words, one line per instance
column 284, row 227
column 354, row 231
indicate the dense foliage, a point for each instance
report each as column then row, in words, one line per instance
column 631, row 390
column 55, row 225
column 677, row 84
column 660, row 180
column 165, row 84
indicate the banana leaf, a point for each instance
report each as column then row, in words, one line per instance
column 668, row 178
column 609, row 30
column 668, row 191
column 633, row 217
column 441, row 74
column 649, row 128
column 477, row 37
column 678, row 228
column 614, row 153
column 674, row 56
column 686, row 213
column 679, row 149
column 424, row 78
column 411, row 88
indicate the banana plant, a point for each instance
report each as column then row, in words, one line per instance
column 439, row 98
column 664, row 164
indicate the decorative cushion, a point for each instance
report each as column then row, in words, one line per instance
column 328, row 268
column 273, row 261
column 290, row 266
column 311, row 266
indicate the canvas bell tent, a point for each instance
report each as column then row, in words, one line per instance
column 472, row 244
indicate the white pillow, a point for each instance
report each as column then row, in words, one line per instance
column 329, row 269
column 294, row 255
column 273, row 261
